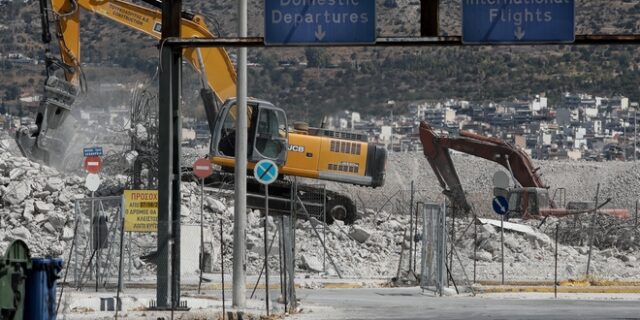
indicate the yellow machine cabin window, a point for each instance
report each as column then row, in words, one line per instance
column 227, row 144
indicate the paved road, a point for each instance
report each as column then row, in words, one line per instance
column 411, row 304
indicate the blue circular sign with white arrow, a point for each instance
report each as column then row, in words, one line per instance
column 500, row 205
column 266, row 171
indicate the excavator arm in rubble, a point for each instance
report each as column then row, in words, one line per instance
column 47, row 140
column 436, row 149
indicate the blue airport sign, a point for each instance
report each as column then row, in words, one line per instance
column 93, row 151
column 518, row 21
column 500, row 205
column 266, row 171
column 307, row 22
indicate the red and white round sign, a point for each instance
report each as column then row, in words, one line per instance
column 93, row 164
column 202, row 168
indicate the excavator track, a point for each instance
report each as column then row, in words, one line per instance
column 339, row 206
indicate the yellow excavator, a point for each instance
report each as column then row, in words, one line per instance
column 315, row 153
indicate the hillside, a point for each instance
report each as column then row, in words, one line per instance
column 357, row 79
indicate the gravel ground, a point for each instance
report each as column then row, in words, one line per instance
column 38, row 206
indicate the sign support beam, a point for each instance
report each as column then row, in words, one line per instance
column 169, row 159
column 429, row 15
column 441, row 41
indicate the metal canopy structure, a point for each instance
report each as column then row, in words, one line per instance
column 171, row 46
column 257, row 42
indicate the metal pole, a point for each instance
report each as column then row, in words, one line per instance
column 636, row 217
column 171, row 11
column 555, row 282
column 96, row 226
column 120, row 267
column 121, row 263
column 75, row 264
column 281, row 268
column 266, row 249
column 415, row 234
column 240, row 214
column 222, row 266
column 201, row 232
column 442, row 260
column 453, row 236
column 593, row 221
column 635, row 135
column 130, row 255
column 475, row 247
column 502, row 245
column 284, row 264
column 324, row 229
column 176, row 195
column 411, row 230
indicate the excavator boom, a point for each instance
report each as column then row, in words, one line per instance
column 49, row 138
column 436, row 149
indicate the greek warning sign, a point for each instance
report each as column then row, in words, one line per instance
column 140, row 210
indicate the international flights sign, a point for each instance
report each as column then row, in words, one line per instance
column 320, row 22
column 518, row 21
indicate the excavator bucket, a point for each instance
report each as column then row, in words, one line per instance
column 48, row 139
column 440, row 160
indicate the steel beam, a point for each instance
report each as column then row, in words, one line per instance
column 168, row 190
column 585, row 39
column 429, row 18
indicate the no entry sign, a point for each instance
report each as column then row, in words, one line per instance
column 93, row 164
column 202, row 168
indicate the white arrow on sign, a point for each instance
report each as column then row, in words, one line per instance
column 519, row 33
column 320, row 34
column 502, row 208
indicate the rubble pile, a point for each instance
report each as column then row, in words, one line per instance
column 37, row 205
column 530, row 255
column 619, row 181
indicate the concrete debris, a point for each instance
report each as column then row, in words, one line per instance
column 311, row 263
column 520, row 228
column 21, row 233
column 482, row 256
column 54, row 184
column 359, row 234
column 214, row 204
column 17, row 192
column 29, row 210
column 43, row 207
column 67, row 234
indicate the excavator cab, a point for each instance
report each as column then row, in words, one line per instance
column 267, row 132
column 527, row 202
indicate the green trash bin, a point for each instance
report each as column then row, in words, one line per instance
column 13, row 274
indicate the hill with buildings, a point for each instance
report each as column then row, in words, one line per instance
column 304, row 81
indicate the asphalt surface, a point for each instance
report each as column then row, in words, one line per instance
column 412, row 304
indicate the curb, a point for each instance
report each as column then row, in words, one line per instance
column 561, row 289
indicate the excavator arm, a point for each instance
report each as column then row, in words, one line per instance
column 436, row 149
column 48, row 139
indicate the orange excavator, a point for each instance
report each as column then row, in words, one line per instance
column 529, row 200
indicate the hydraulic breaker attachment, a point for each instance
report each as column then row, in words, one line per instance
column 48, row 139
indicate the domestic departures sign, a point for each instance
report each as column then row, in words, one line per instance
column 140, row 209
column 319, row 21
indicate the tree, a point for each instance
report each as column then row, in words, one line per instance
column 12, row 92
column 316, row 57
